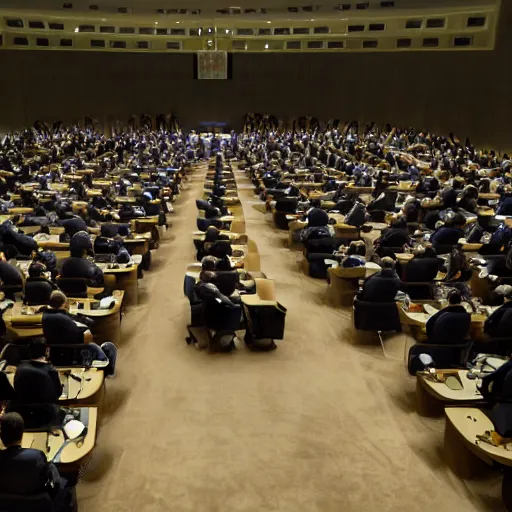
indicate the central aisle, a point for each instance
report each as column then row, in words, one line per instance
column 317, row 425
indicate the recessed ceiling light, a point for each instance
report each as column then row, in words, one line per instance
column 77, row 29
column 156, row 22
column 178, row 22
column 227, row 31
column 266, row 46
column 269, row 22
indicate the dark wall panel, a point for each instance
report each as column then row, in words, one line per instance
column 468, row 92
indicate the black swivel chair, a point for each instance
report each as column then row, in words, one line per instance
column 444, row 356
column 74, row 287
column 37, row 292
column 226, row 281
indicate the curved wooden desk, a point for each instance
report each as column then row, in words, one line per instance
column 107, row 322
column 72, row 453
column 75, row 391
column 126, row 279
column 432, row 396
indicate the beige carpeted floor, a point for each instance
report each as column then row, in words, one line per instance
column 317, row 425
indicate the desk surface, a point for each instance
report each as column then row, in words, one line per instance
column 441, row 391
column 470, row 422
column 90, row 383
column 73, row 452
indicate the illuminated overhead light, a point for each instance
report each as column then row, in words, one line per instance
column 269, row 22
column 77, row 29
column 311, row 19
column 209, row 31
column 103, row 19
column 227, row 31
column 156, row 22
column 178, row 22
column 199, row 31
column 266, row 46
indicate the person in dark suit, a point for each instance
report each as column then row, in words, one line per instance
column 37, row 381
column 422, row 268
column 450, row 233
column 60, row 326
column 77, row 266
column 449, row 326
column 384, row 285
column 26, row 471
column 10, row 277
column 499, row 324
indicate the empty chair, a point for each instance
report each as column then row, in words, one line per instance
column 376, row 316
column 37, row 291
column 444, row 356
column 74, row 287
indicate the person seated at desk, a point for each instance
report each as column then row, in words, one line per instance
column 449, row 326
column 37, row 381
column 396, row 236
column 468, row 200
column 26, row 471
column 77, row 266
column 422, row 268
column 61, row 327
column 450, row 233
column 505, row 207
column 38, row 288
column 499, row 324
column 318, row 225
column 384, row 285
column 9, row 274
column 73, row 225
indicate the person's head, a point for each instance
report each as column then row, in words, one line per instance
column 36, row 269
column 505, row 290
column 206, row 276
column 454, row 298
column 209, row 263
column 11, row 429
column 38, row 348
column 387, row 263
column 58, row 300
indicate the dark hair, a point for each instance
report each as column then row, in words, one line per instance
column 11, row 428
column 454, row 297
column 57, row 299
column 37, row 348
column 36, row 269
column 387, row 262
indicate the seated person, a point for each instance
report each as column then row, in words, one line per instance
column 450, row 233
column 449, row 326
column 499, row 324
column 396, row 235
column 26, row 471
column 77, row 266
column 61, row 327
column 318, row 225
column 37, row 381
column 422, row 268
column 9, row 274
column 384, row 285
column 38, row 288
column 458, row 268
column 468, row 200
column 73, row 225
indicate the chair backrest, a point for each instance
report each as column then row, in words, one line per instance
column 74, row 287
column 376, row 316
column 6, row 390
column 252, row 262
column 31, row 503
column 221, row 317
column 37, row 292
column 266, row 289
column 13, row 353
column 226, row 281
column 444, row 356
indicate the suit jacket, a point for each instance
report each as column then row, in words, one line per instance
column 450, row 326
column 24, row 471
column 382, row 286
column 83, row 268
column 499, row 324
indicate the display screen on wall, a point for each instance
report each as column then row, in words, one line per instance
column 212, row 65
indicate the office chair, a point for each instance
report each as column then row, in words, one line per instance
column 444, row 356
column 74, row 287
column 37, row 292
